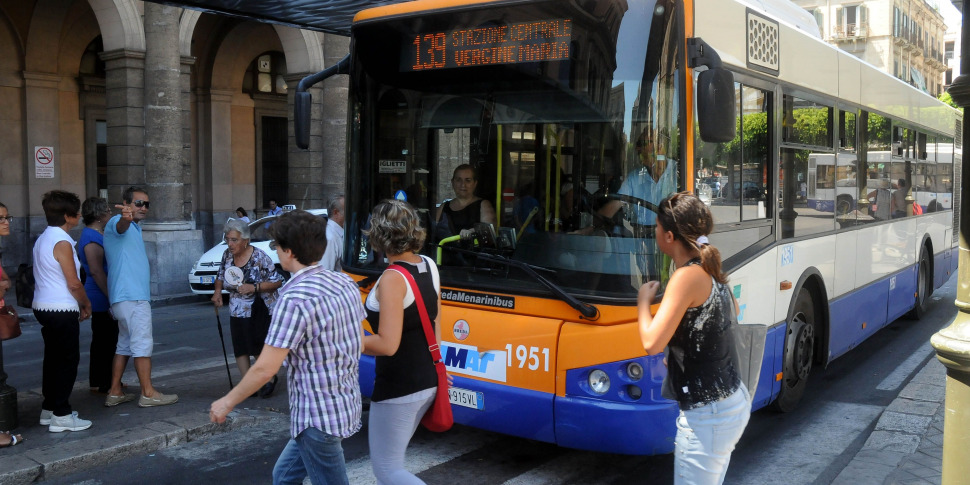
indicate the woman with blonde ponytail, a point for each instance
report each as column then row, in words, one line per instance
column 693, row 323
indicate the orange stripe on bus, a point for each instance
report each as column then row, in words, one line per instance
column 412, row 7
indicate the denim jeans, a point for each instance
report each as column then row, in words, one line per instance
column 315, row 454
column 706, row 437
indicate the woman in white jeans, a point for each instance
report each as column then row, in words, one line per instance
column 694, row 323
column 406, row 381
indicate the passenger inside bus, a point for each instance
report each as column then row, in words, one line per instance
column 457, row 217
column 653, row 180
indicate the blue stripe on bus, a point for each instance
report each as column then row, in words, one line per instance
column 367, row 373
column 874, row 305
column 615, row 427
column 508, row 410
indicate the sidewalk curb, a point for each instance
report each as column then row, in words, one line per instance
column 27, row 314
column 900, row 427
column 70, row 457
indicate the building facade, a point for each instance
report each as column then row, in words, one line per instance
column 902, row 37
column 98, row 95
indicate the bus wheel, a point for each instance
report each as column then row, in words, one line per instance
column 924, row 285
column 799, row 353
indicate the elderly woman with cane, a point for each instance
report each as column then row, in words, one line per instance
column 247, row 272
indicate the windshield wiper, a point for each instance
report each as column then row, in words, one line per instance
column 590, row 312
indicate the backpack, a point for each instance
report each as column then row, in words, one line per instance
column 24, row 285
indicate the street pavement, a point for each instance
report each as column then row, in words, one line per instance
column 903, row 447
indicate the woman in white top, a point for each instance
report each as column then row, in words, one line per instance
column 59, row 304
column 242, row 215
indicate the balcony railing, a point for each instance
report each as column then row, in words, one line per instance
column 852, row 31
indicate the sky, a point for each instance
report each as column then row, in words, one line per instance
column 952, row 17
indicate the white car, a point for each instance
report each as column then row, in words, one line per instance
column 202, row 277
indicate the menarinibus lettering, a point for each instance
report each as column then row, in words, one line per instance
column 478, row 299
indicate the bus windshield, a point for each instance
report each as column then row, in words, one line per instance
column 542, row 132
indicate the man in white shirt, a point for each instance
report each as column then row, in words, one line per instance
column 335, row 234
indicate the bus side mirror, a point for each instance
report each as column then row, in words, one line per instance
column 301, row 118
column 716, row 105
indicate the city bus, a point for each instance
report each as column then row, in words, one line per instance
column 551, row 103
column 831, row 186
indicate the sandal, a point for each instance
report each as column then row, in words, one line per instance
column 14, row 439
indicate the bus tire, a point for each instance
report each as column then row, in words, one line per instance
column 799, row 353
column 924, row 285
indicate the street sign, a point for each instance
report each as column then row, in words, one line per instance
column 44, row 162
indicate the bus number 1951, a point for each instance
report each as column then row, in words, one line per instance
column 529, row 355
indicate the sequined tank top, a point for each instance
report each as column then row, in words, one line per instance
column 701, row 367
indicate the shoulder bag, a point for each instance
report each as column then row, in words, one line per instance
column 438, row 418
column 9, row 323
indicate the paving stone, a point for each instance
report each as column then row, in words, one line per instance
column 895, row 441
column 923, row 392
column 910, row 406
column 907, row 423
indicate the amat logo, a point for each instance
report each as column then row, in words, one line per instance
column 467, row 360
column 460, row 330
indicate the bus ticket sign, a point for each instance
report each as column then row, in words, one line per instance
column 533, row 41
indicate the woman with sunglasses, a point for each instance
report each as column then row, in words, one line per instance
column 6, row 438
column 256, row 277
column 694, row 323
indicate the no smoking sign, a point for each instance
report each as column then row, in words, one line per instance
column 44, row 162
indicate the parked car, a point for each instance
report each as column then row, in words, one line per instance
column 202, row 277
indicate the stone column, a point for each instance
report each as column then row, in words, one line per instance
column 171, row 241
column 320, row 171
column 124, row 99
column 307, row 168
column 335, row 96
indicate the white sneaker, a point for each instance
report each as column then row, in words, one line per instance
column 70, row 422
column 45, row 417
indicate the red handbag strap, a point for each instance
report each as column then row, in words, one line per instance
column 423, row 311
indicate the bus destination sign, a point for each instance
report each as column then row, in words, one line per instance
column 535, row 41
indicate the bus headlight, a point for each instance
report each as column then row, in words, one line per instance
column 634, row 370
column 599, row 382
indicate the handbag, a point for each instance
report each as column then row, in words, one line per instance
column 9, row 323
column 438, row 418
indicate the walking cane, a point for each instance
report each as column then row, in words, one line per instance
column 223, row 340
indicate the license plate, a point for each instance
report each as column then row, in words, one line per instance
column 207, row 280
column 466, row 398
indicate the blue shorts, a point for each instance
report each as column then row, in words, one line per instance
column 134, row 328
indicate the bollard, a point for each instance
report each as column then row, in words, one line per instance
column 8, row 400
column 952, row 344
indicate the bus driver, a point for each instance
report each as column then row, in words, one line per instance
column 654, row 179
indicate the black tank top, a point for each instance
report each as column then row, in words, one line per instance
column 410, row 369
column 700, row 361
column 464, row 218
